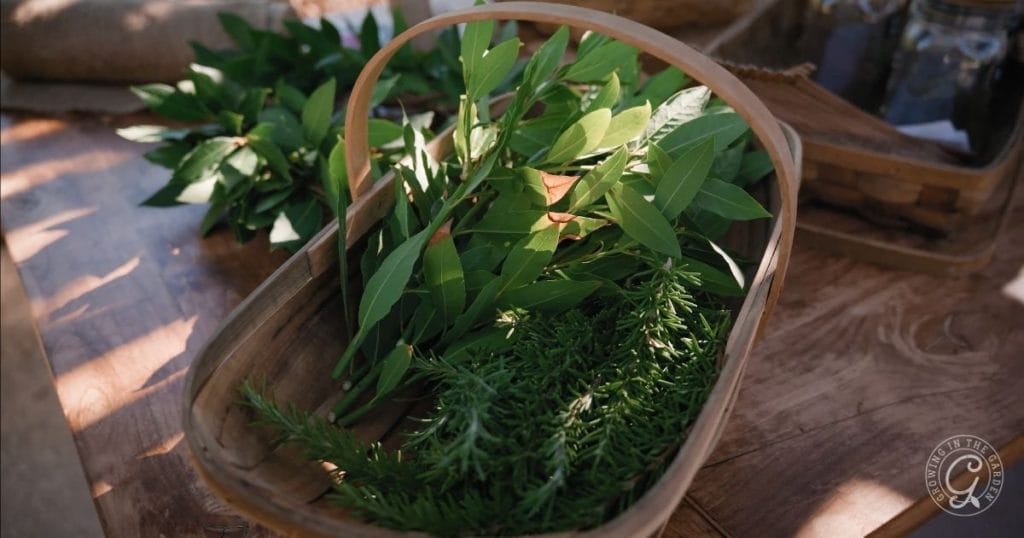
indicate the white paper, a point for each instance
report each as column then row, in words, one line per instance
column 940, row 131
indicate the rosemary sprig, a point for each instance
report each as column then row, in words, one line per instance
column 556, row 431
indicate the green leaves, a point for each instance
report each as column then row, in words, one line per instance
column 169, row 155
column 657, row 162
column 597, row 64
column 512, row 222
column 369, row 36
column 383, row 290
column 334, row 176
column 547, row 58
column 727, row 163
column 607, row 96
column 493, row 66
column 592, row 186
column 237, row 29
column 642, row 221
column 204, row 159
column 554, row 202
column 298, row 222
column 166, row 196
column 683, row 179
column 547, row 213
column 171, row 102
column 535, row 135
column 442, row 271
column 393, row 368
column 382, row 132
column 754, row 166
column 713, row 280
column 275, row 93
column 483, row 301
column 386, row 285
column 465, row 120
column 484, row 69
column 259, row 139
column 197, row 173
column 677, row 110
column 316, row 113
column 581, row 137
column 729, row 201
column 626, row 126
column 550, row 296
column 286, row 131
column 475, row 40
column 289, row 96
column 528, row 257
column 661, row 86
column 724, row 128
column 152, row 133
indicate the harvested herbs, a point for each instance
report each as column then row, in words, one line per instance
column 267, row 122
column 554, row 288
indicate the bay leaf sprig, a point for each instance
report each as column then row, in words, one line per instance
column 263, row 120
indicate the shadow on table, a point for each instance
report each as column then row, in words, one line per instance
column 124, row 297
column 861, row 372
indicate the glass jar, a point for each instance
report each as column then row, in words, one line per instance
column 947, row 64
column 852, row 43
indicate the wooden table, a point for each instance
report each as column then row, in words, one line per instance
column 860, row 373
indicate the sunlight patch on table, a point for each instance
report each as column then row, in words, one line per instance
column 78, row 288
column 100, row 488
column 27, row 241
column 1014, row 289
column 163, row 447
column 856, row 508
column 24, row 131
column 28, row 177
column 101, row 386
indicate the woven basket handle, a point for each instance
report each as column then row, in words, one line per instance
column 653, row 42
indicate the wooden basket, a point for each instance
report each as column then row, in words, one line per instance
column 853, row 159
column 288, row 330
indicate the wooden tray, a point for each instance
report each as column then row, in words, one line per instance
column 854, row 159
column 288, row 330
column 962, row 252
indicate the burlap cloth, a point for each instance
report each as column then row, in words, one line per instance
column 77, row 55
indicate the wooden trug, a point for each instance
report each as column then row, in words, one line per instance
column 288, row 331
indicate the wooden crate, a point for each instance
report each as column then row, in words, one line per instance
column 666, row 16
column 852, row 158
column 288, row 330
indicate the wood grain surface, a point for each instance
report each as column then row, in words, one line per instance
column 38, row 460
column 123, row 297
column 860, row 373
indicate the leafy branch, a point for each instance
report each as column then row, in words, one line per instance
column 263, row 123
